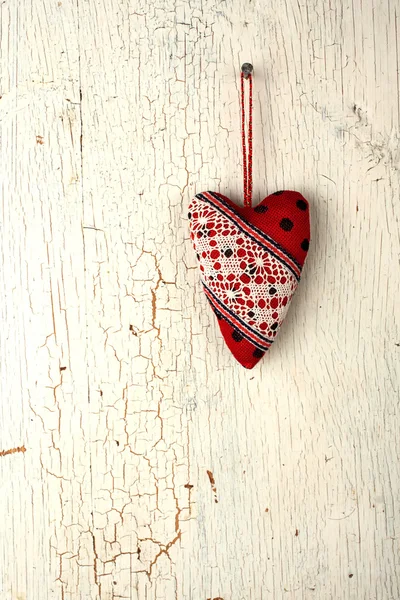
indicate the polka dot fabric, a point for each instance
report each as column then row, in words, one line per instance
column 250, row 262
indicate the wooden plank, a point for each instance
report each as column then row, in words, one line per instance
column 147, row 464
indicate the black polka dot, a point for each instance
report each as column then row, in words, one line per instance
column 258, row 353
column 261, row 208
column 198, row 256
column 237, row 336
column 286, row 224
column 305, row 245
column 272, row 291
column 301, row 204
column 274, row 326
column 278, row 193
column 190, row 215
column 250, row 314
column 228, row 252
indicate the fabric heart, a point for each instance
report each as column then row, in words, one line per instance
column 250, row 264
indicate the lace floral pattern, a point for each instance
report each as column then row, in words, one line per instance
column 245, row 276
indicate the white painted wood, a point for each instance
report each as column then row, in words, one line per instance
column 155, row 466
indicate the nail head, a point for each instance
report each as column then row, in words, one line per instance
column 247, row 69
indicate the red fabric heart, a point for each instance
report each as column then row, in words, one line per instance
column 250, row 264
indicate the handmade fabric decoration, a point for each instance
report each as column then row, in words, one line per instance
column 250, row 258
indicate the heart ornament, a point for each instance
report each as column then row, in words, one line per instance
column 250, row 261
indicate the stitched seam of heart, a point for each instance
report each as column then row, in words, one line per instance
column 238, row 220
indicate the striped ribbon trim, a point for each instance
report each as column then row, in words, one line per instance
column 252, row 231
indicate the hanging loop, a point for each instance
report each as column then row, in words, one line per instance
column 246, row 73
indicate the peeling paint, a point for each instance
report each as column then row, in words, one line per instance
column 113, row 366
column 13, row 450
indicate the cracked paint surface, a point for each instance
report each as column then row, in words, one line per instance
column 150, row 455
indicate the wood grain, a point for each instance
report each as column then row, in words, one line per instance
column 155, row 466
